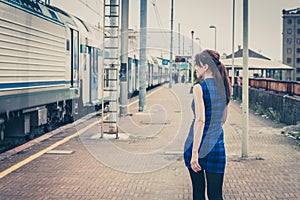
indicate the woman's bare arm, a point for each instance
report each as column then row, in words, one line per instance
column 225, row 115
column 198, row 125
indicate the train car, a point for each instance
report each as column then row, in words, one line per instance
column 46, row 58
column 155, row 74
column 91, row 62
column 50, row 65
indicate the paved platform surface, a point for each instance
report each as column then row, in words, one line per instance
column 146, row 162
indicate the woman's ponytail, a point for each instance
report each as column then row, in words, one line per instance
column 223, row 72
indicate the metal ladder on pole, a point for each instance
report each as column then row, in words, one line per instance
column 111, row 67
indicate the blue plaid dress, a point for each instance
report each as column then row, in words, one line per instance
column 212, row 156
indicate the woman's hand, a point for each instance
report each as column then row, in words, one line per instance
column 194, row 162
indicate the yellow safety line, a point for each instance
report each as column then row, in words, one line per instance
column 40, row 153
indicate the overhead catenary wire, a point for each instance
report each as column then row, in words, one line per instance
column 156, row 14
column 158, row 19
column 92, row 9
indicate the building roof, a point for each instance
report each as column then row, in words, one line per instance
column 255, row 63
column 291, row 11
column 251, row 53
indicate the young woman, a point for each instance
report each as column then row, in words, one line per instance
column 204, row 153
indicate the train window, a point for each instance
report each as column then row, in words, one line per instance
column 82, row 48
column 68, row 45
column 16, row 2
column 36, row 7
column 31, row 5
column 75, row 57
column 96, row 61
column 53, row 15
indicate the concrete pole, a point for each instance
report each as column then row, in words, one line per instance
column 178, row 38
column 233, row 21
column 124, row 59
column 216, row 38
column 143, row 55
column 245, row 81
column 171, row 46
column 192, row 64
column 183, row 53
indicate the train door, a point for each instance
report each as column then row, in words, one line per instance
column 137, row 84
column 93, row 75
column 129, row 75
column 85, row 84
column 148, row 74
column 75, row 58
column 159, row 74
column 152, row 75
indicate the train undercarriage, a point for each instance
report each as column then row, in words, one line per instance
column 35, row 121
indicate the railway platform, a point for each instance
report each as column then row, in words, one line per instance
column 146, row 161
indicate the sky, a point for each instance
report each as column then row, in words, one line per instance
column 265, row 22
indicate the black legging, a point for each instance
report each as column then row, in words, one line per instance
column 214, row 185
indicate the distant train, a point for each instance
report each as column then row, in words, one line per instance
column 51, row 64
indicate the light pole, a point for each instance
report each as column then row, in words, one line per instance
column 197, row 38
column 192, row 67
column 143, row 55
column 171, row 46
column 124, row 59
column 233, row 15
column 245, row 96
column 214, row 27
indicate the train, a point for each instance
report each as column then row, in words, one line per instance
column 51, row 65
